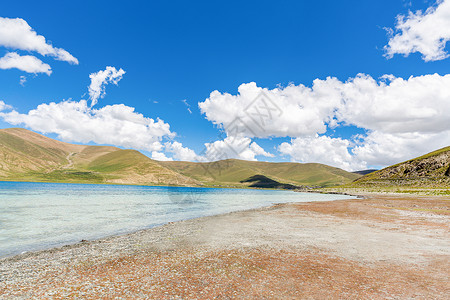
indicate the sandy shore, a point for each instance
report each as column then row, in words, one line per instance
column 379, row 247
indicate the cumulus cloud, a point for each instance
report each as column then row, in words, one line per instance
column 100, row 79
column 180, row 152
column 160, row 156
column 26, row 63
column 322, row 149
column 117, row 125
column 417, row 104
column 259, row 112
column 4, row 106
column 17, row 34
column 233, row 147
column 229, row 147
column 424, row 32
column 75, row 121
column 381, row 148
column 390, row 106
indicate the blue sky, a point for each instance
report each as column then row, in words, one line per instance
column 179, row 50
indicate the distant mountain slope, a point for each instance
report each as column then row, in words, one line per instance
column 232, row 171
column 432, row 169
column 28, row 156
column 261, row 181
column 365, row 172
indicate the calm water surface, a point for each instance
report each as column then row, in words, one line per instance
column 36, row 216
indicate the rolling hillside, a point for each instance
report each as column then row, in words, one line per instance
column 434, row 166
column 427, row 173
column 28, row 156
column 232, row 171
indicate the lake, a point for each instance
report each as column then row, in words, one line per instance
column 35, row 216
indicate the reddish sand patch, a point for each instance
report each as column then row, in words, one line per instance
column 288, row 251
column 254, row 273
column 407, row 210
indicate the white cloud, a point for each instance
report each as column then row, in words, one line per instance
column 233, row 147
column 100, row 79
column 4, row 106
column 426, row 33
column 23, row 80
column 396, row 107
column 417, row 104
column 381, row 149
column 180, row 152
column 391, row 104
column 26, row 63
column 230, row 147
column 17, row 34
column 160, row 156
column 188, row 106
column 324, row 150
column 290, row 111
column 116, row 125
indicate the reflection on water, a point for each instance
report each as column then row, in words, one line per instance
column 42, row 215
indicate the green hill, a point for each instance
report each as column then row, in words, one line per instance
column 28, row 156
column 261, row 181
column 232, row 171
column 427, row 173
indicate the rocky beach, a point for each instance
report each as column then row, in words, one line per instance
column 382, row 246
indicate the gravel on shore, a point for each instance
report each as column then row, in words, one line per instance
column 378, row 247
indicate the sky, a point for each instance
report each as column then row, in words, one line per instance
column 351, row 84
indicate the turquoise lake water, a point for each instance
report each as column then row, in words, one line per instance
column 36, row 216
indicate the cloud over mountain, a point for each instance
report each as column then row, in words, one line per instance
column 75, row 121
column 395, row 108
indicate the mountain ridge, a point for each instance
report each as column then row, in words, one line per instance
column 233, row 171
column 429, row 171
column 29, row 156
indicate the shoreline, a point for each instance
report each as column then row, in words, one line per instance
column 125, row 231
column 376, row 247
column 64, row 246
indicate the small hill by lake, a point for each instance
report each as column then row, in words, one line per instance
column 429, row 173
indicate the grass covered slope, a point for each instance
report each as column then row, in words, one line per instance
column 233, row 172
column 28, row 156
column 23, row 151
column 430, row 172
column 261, row 181
column 125, row 166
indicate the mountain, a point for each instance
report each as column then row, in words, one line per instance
column 430, row 170
column 365, row 172
column 28, row 156
column 261, row 181
column 233, row 172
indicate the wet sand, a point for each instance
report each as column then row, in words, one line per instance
column 383, row 246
